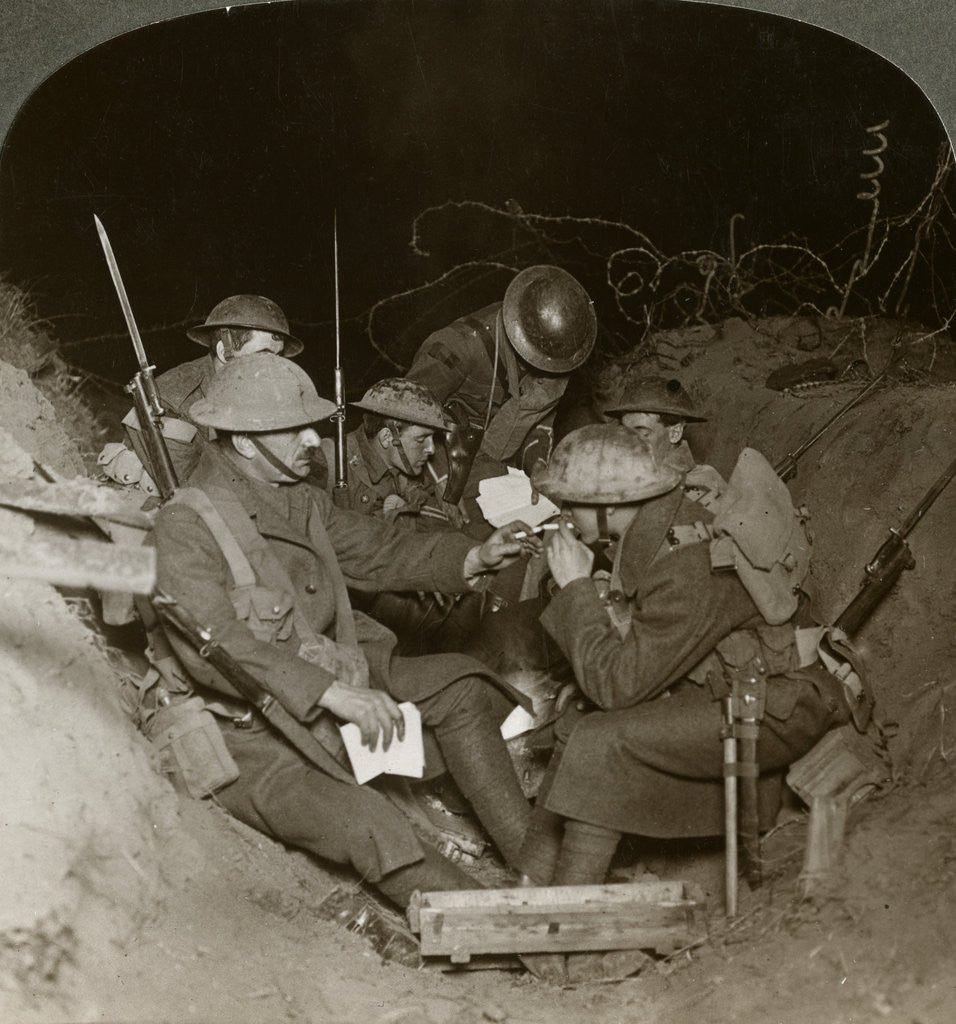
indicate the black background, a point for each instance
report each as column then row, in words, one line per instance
column 216, row 147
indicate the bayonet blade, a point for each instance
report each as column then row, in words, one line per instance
column 122, row 296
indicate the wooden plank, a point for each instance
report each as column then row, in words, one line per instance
column 547, row 896
column 77, row 497
column 656, row 916
column 82, row 563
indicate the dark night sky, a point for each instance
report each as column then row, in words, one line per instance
column 215, row 147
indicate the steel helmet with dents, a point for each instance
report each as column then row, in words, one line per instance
column 253, row 312
column 549, row 319
column 258, row 393
column 402, row 399
column 661, row 395
column 604, row 464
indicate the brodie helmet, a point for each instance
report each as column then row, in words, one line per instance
column 654, row 394
column 253, row 312
column 604, row 464
column 401, row 399
column 549, row 319
column 261, row 392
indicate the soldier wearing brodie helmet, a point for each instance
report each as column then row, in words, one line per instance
column 658, row 409
column 386, row 457
column 502, row 369
column 237, row 326
column 387, row 460
column 262, row 558
column 654, row 654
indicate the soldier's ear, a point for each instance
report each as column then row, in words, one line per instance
column 385, row 437
column 675, row 432
column 243, row 445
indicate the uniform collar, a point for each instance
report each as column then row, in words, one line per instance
column 375, row 464
column 644, row 536
column 279, row 511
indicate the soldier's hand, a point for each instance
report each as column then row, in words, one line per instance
column 568, row 558
column 501, row 548
column 373, row 711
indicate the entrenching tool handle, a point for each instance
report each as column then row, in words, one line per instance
column 730, row 810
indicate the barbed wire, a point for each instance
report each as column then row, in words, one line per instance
column 640, row 291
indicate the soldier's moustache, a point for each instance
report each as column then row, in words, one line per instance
column 273, row 459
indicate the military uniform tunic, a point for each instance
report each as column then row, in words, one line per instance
column 278, row 791
column 649, row 761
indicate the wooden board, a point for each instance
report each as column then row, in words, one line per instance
column 75, row 498
column 647, row 915
column 81, row 563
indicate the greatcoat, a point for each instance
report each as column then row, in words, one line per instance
column 649, row 761
column 320, row 549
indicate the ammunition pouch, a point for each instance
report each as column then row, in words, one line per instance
column 190, row 747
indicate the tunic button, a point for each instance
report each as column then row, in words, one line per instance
column 365, row 499
column 310, row 588
column 276, row 610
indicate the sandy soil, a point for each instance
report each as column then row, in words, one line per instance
column 124, row 901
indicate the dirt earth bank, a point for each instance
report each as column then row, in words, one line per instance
column 124, row 902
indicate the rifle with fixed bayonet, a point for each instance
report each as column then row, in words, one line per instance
column 142, row 388
column 341, row 482
column 889, row 562
column 786, row 468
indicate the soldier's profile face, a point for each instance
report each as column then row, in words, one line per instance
column 292, row 447
column 585, row 520
column 419, row 445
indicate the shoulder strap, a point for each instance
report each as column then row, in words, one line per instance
column 235, row 535
column 200, row 502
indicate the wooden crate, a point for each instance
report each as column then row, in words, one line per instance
column 663, row 916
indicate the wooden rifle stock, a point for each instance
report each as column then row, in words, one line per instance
column 160, row 467
column 894, row 555
column 875, row 586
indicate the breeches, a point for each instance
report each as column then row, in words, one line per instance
column 279, row 792
column 283, row 795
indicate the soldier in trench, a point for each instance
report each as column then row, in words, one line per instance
column 504, row 368
column 238, row 326
column 265, row 560
column 654, row 654
column 387, row 462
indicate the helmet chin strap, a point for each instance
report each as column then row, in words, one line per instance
column 274, row 461
column 395, row 429
column 604, row 537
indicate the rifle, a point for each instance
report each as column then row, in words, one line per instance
column 786, row 468
column 341, row 479
column 886, row 566
column 142, row 387
column 247, row 686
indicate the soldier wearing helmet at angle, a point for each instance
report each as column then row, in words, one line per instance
column 655, row 652
column 386, row 458
column 503, row 368
column 658, row 409
column 263, row 558
column 386, row 461
column 237, row 326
